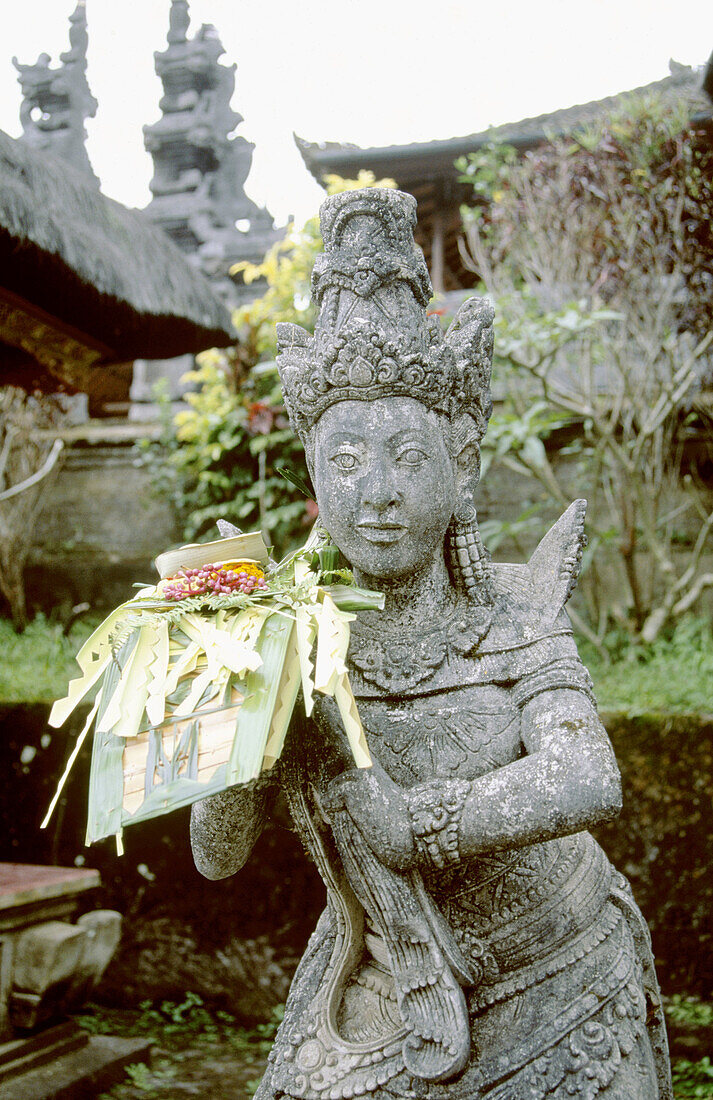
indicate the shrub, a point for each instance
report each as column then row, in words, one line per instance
column 28, row 463
column 221, row 457
column 599, row 252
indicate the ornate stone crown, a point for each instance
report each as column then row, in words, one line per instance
column 373, row 337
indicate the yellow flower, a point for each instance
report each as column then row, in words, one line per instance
column 250, row 567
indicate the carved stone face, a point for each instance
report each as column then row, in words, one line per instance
column 385, row 483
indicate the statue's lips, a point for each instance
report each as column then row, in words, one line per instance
column 382, row 533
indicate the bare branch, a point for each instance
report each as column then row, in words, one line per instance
column 705, row 580
column 39, row 475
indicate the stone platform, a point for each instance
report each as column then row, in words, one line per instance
column 64, row 1063
column 30, row 893
column 49, row 963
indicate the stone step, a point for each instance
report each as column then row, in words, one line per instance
column 19, row 1055
column 78, row 1074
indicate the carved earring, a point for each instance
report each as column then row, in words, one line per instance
column 467, row 552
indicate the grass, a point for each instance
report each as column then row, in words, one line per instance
column 672, row 676
column 36, row 666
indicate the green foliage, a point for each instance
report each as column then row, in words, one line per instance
column 172, row 1021
column 519, row 439
column 644, row 127
column 288, row 270
column 174, row 1024
column 221, row 458
column 692, row 1080
column 643, row 157
column 36, row 665
column 181, row 1029
column 673, row 675
column 150, row 1080
column 487, row 171
column 689, row 1011
column 519, row 533
column 598, row 250
column 527, row 334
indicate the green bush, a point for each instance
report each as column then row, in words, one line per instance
column 692, row 1080
column 221, row 457
column 689, row 1011
column 36, row 665
column 598, row 251
column 674, row 675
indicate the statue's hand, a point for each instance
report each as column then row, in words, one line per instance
column 378, row 808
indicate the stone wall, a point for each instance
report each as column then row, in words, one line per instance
column 99, row 530
column 103, row 525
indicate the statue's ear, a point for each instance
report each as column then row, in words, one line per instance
column 464, row 445
column 468, row 468
column 308, row 444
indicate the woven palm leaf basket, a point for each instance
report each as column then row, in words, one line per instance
column 198, row 676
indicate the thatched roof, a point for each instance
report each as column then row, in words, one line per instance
column 100, row 275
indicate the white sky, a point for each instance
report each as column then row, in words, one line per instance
column 373, row 72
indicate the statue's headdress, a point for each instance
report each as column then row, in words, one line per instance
column 373, row 337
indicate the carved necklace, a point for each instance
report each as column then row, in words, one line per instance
column 397, row 660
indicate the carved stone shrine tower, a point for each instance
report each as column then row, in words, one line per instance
column 57, row 101
column 199, row 168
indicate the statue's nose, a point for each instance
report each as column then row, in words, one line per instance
column 379, row 490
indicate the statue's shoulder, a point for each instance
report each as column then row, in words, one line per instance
column 532, row 596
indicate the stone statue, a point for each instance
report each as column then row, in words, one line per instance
column 476, row 940
column 56, row 101
column 200, row 165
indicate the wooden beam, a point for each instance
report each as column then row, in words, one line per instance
column 49, row 341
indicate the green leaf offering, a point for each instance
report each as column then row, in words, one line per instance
column 200, row 675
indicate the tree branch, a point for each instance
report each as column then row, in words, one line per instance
column 46, row 468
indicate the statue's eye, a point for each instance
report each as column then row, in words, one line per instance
column 412, row 456
column 345, row 460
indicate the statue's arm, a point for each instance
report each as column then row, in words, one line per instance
column 569, row 779
column 225, row 826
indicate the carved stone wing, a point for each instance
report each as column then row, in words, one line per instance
column 555, row 564
column 542, row 587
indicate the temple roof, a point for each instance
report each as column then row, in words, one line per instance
column 200, row 165
column 427, row 169
column 88, row 280
column 683, row 83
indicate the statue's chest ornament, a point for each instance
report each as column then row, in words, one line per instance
column 398, row 661
column 466, row 743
